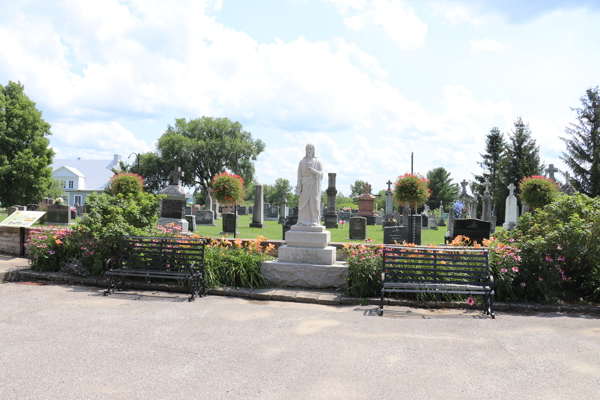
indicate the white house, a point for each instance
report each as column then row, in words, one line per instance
column 83, row 177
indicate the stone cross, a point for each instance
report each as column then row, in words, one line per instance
column 511, row 188
column 487, row 185
column 550, row 171
column 367, row 187
column 176, row 174
column 566, row 177
column 464, row 184
column 389, row 183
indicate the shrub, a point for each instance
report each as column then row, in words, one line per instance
column 551, row 255
column 364, row 267
column 125, row 184
column 412, row 189
column 538, row 191
column 228, row 188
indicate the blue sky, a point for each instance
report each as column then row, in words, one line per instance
column 366, row 81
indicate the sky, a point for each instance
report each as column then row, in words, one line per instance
column 368, row 82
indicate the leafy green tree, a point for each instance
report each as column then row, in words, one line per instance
column 442, row 188
column 152, row 168
column 274, row 193
column 583, row 147
column 205, row 147
column 55, row 190
column 491, row 164
column 522, row 158
column 25, row 158
column 356, row 189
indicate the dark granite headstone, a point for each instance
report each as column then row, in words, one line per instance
column 250, row 210
column 188, row 210
column 173, row 209
column 243, row 210
column 73, row 213
column 32, row 207
column 229, row 223
column 205, row 217
column 331, row 221
column 425, row 221
column 58, row 214
column 191, row 223
column 371, row 220
column 345, row 216
column 287, row 224
column 417, row 224
column 393, row 234
column 294, row 212
column 357, row 229
column 475, row 229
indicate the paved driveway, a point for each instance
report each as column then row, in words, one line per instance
column 70, row 342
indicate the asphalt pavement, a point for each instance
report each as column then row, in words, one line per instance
column 60, row 341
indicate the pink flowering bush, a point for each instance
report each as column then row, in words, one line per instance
column 364, row 265
column 552, row 255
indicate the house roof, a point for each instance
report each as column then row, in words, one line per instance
column 74, row 171
column 97, row 173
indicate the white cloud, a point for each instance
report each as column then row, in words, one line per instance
column 95, row 140
column 458, row 13
column 396, row 18
column 487, row 45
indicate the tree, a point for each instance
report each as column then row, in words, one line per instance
column 522, row 157
column 152, row 168
column 205, row 147
column 274, row 193
column 55, row 190
column 25, row 158
column 491, row 164
column 583, row 147
column 442, row 188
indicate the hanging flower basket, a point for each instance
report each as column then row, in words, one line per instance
column 228, row 188
column 538, row 191
column 412, row 189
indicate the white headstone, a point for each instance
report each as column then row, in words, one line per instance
column 512, row 210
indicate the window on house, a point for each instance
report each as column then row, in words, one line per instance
column 78, row 201
column 70, row 184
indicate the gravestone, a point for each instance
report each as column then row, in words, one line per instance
column 441, row 221
column 188, row 210
column 378, row 220
column 294, row 212
column 433, row 223
column 243, row 210
column 393, row 234
column 550, row 172
column 425, row 221
column 172, row 209
column 250, row 210
column 205, row 217
column 58, row 214
column 331, row 218
column 416, row 224
column 357, row 229
column 389, row 203
column 229, row 224
column 73, row 212
column 366, row 204
column 345, row 216
column 475, row 229
column 512, row 210
column 399, row 218
column 32, row 207
column 215, row 208
column 191, row 219
column 284, row 210
column 258, row 216
column 287, row 224
column 486, row 212
column 372, row 219
column 208, row 201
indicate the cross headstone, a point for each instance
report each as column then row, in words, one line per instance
column 389, row 183
column 512, row 209
column 176, row 174
column 487, row 185
column 550, row 171
column 511, row 189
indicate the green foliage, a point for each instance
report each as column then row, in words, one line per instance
column 441, row 187
column 492, row 166
column 538, row 191
column 273, row 193
column 555, row 251
column 205, row 147
column 356, row 189
column 228, row 188
column 125, row 184
column 55, row 189
column 364, row 267
column 412, row 189
column 25, row 156
column 583, row 147
column 234, row 267
column 152, row 169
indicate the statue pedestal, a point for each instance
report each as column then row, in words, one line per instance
column 306, row 260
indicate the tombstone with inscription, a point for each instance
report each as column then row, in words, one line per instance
column 243, row 210
column 191, row 219
column 205, row 217
column 512, row 210
column 357, row 228
column 172, row 209
column 272, row 213
column 229, row 224
column 188, row 210
column 474, row 229
column 345, row 216
column 395, row 234
column 58, row 214
column 367, row 205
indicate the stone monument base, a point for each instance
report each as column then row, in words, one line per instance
column 313, row 276
column 306, row 255
column 256, row 225
column 181, row 222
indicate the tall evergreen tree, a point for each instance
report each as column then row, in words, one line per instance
column 491, row 166
column 583, row 147
column 442, row 188
column 522, row 158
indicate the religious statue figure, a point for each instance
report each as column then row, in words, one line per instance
column 308, row 188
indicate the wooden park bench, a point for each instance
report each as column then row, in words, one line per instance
column 437, row 270
column 159, row 258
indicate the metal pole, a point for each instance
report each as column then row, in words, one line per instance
column 138, row 162
column 411, row 162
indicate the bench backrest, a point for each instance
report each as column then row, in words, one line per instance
column 161, row 253
column 435, row 265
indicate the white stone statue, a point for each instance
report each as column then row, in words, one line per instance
column 310, row 173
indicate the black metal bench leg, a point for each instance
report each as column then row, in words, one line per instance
column 491, row 312
column 111, row 286
column 380, row 311
column 193, row 283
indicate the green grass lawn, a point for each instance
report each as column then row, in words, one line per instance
column 273, row 231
